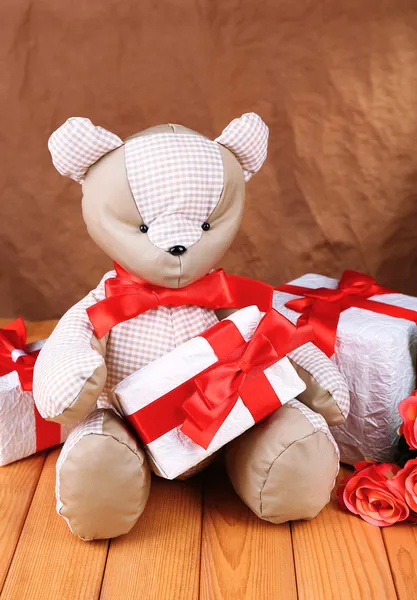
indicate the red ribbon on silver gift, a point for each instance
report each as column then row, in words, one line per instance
column 321, row 308
column 201, row 404
column 16, row 356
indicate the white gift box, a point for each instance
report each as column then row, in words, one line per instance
column 376, row 354
column 173, row 453
column 18, row 421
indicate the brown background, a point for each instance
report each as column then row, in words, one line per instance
column 335, row 81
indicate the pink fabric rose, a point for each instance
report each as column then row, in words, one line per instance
column 367, row 493
column 405, row 483
column 408, row 412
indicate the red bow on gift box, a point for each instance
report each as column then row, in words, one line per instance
column 219, row 387
column 201, row 404
column 14, row 355
column 127, row 296
column 321, row 307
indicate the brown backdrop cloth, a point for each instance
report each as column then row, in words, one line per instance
column 335, row 81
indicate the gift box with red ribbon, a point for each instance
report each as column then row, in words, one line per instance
column 370, row 332
column 22, row 430
column 192, row 401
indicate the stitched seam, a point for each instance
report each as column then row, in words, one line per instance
column 275, row 459
column 170, row 308
column 333, row 398
column 281, row 453
column 115, row 439
column 81, row 391
column 323, row 388
column 128, row 183
column 181, row 271
column 142, row 461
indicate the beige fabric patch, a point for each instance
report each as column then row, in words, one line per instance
column 285, row 467
column 103, row 478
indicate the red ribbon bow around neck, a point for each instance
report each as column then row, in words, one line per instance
column 14, row 355
column 127, row 296
column 218, row 388
column 321, row 308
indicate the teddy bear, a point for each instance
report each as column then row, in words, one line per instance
column 165, row 205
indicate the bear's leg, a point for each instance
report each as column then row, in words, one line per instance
column 285, row 467
column 103, row 478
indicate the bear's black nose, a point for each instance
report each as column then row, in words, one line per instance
column 177, row 250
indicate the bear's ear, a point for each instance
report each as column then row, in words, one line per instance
column 247, row 138
column 78, row 144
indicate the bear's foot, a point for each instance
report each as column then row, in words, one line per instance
column 103, row 478
column 285, row 467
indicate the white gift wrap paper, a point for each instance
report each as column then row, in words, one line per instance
column 17, row 419
column 377, row 355
column 174, row 453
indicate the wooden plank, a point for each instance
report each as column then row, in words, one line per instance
column 339, row 557
column 17, row 486
column 243, row 557
column 40, row 330
column 160, row 557
column 51, row 563
column 401, row 544
column 18, row 481
column 37, row 330
column 4, row 322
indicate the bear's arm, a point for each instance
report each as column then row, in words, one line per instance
column 70, row 371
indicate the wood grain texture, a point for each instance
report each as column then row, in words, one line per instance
column 17, row 485
column 40, row 330
column 243, row 557
column 160, row 558
column 4, row 322
column 336, row 556
column 340, row 557
column 18, row 480
column 37, row 330
column 50, row 563
column 401, row 544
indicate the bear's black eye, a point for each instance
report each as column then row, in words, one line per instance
column 205, row 226
column 143, row 228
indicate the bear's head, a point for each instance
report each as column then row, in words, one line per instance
column 166, row 203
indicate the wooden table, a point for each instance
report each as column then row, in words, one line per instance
column 195, row 540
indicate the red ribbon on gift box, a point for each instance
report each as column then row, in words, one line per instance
column 15, row 356
column 127, row 296
column 201, row 404
column 321, row 308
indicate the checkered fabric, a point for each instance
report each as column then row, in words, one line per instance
column 315, row 362
column 67, row 360
column 78, row 144
column 135, row 343
column 247, row 138
column 316, row 420
column 176, row 181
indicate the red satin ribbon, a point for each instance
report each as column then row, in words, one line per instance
column 201, row 404
column 127, row 296
column 321, row 308
column 13, row 337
